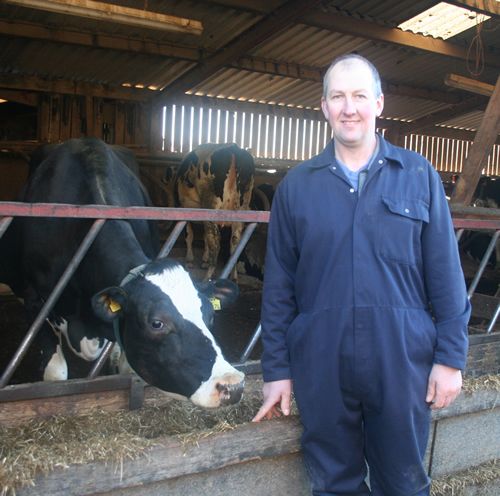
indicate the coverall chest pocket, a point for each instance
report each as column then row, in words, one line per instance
column 400, row 229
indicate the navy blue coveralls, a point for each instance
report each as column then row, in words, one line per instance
column 362, row 294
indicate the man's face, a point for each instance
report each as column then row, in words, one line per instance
column 351, row 107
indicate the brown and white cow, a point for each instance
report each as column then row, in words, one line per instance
column 215, row 176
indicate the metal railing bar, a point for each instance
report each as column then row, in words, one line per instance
column 51, row 300
column 172, row 238
column 237, row 252
column 459, row 234
column 99, row 363
column 493, row 320
column 117, row 212
column 251, row 345
column 482, row 265
column 4, row 224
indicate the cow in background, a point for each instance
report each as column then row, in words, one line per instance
column 119, row 292
column 486, row 195
column 214, row 176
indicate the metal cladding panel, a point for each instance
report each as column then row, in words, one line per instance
column 470, row 121
column 409, row 109
column 70, row 62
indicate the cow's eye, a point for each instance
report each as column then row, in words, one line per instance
column 157, row 324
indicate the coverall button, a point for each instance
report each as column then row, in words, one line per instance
column 407, row 211
column 351, row 190
column 381, row 161
column 334, row 168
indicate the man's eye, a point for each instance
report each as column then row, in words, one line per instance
column 157, row 324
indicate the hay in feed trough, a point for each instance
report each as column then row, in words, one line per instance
column 40, row 446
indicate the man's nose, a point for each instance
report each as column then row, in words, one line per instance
column 349, row 107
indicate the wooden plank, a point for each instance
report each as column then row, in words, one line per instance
column 486, row 136
column 34, row 83
column 119, row 123
column 76, row 117
column 484, row 306
column 468, row 84
column 97, row 112
column 43, row 124
column 40, row 390
column 171, row 458
column 18, row 412
column 91, row 9
column 66, row 111
column 23, row 97
column 89, row 116
column 55, row 118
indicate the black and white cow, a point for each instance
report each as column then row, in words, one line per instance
column 475, row 243
column 119, row 292
column 213, row 176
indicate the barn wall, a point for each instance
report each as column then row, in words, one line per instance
column 61, row 117
column 283, row 135
column 13, row 174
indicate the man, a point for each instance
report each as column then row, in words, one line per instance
column 364, row 305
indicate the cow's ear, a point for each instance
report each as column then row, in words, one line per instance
column 109, row 303
column 222, row 292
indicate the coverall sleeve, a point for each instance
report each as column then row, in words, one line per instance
column 279, row 306
column 444, row 280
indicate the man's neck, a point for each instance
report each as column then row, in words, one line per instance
column 354, row 158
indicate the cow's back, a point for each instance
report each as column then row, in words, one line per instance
column 216, row 176
column 83, row 172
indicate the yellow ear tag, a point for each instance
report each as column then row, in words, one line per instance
column 215, row 303
column 114, row 306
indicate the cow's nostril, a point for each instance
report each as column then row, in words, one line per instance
column 229, row 393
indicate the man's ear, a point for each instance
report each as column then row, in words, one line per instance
column 380, row 105
column 221, row 292
column 324, row 108
column 109, row 303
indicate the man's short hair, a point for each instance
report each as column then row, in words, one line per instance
column 377, row 85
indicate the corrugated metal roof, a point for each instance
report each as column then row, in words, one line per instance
column 299, row 44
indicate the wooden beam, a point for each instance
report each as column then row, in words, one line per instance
column 33, row 83
column 467, row 84
column 23, row 97
column 486, row 136
column 109, row 12
column 272, row 24
column 97, row 40
column 469, row 105
column 253, row 64
column 488, row 7
column 369, row 30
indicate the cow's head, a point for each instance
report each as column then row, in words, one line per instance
column 164, row 322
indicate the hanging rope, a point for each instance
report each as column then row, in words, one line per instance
column 475, row 52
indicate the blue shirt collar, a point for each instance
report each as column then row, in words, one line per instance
column 327, row 156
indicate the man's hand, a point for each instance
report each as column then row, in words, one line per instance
column 275, row 392
column 444, row 386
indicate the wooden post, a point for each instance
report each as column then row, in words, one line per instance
column 43, row 124
column 89, row 116
column 119, row 123
column 155, row 137
column 65, row 122
column 98, row 117
column 483, row 143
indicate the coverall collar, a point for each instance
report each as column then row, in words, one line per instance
column 386, row 150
